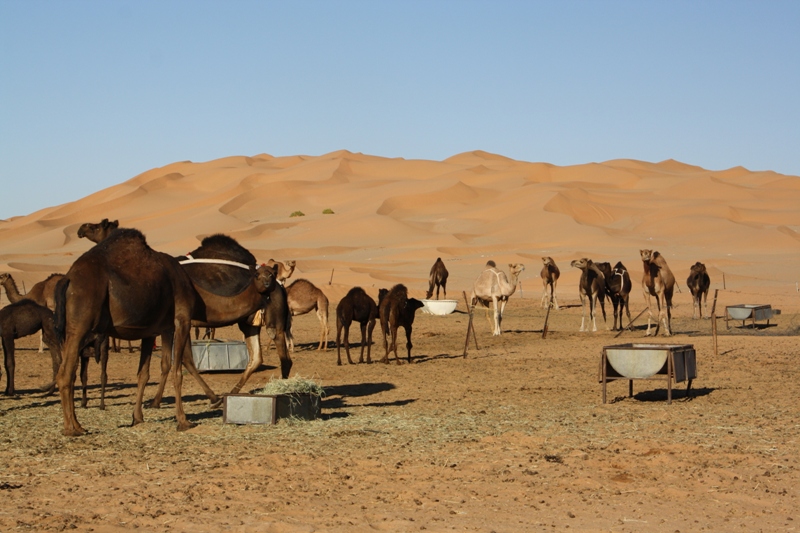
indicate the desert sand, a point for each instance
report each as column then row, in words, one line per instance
column 513, row 438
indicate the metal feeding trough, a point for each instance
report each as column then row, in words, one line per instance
column 648, row 361
column 755, row 312
column 219, row 355
column 268, row 409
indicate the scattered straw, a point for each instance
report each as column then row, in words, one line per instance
column 295, row 385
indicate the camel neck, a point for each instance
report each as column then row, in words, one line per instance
column 11, row 290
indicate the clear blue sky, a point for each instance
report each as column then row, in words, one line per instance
column 93, row 93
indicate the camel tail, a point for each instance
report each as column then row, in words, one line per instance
column 60, row 318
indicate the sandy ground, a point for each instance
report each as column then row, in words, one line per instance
column 513, row 438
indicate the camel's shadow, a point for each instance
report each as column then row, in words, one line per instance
column 660, row 395
column 336, row 395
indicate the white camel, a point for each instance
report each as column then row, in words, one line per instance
column 493, row 286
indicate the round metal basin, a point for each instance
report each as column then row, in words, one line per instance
column 640, row 362
column 439, row 307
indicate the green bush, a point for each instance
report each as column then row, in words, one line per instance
column 297, row 214
column 328, row 211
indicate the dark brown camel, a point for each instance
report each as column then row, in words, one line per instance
column 97, row 232
column 618, row 289
column 699, row 283
column 231, row 290
column 397, row 309
column 305, row 297
column 437, row 277
column 123, row 288
column 357, row 306
column 657, row 281
column 21, row 319
column 43, row 293
column 592, row 290
column 276, row 319
column 550, row 274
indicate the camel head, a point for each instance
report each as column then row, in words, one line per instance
column 382, row 294
column 582, row 263
column 698, row 268
column 266, row 278
column 97, row 232
column 547, row 261
column 647, row 255
column 5, row 276
column 515, row 269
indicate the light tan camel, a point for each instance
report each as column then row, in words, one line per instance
column 493, row 286
column 285, row 269
column 550, row 275
column 305, row 297
column 657, row 281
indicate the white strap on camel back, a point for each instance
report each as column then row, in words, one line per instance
column 191, row 260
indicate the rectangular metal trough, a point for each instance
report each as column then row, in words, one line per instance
column 755, row 312
column 219, row 355
column 268, row 409
column 648, row 361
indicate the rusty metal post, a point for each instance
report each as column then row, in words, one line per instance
column 630, row 324
column 714, row 321
column 547, row 317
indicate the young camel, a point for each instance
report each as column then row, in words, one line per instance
column 21, row 319
column 493, row 286
column 437, row 277
column 357, row 306
column 397, row 309
column 43, row 293
column 285, row 269
column 657, row 281
column 305, row 297
column 550, row 275
column 698, row 283
column 618, row 288
column 592, row 288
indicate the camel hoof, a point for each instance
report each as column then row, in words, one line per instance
column 186, row 426
column 152, row 405
column 74, row 432
column 217, row 404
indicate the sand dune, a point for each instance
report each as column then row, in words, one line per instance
column 393, row 217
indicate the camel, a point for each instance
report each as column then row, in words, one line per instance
column 276, row 319
column 305, row 297
column 592, row 289
column 550, row 275
column 618, row 288
column 493, row 286
column 231, row 290
column 698, row 283
column 43, row 293
column 97, row 232
column 285, row 269
column 121, row 287
column 396, row 309
column 437, row 277
column 357, row 306
column 657, row 281
column 21, row 319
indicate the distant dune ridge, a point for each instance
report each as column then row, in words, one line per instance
column 393, row 217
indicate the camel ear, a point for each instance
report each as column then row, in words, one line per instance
column 115, row 223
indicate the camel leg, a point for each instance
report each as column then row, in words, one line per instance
column 323, row 334
column 188, row 363
column 667, row 318
column 338, row 343
column 649, row 313
column 583, row 311
column 408, row 342
column 103, row 347
column 370, row 327
column 41, row 342
column 256, row 358
column 393, row 346
column 363, row 326
column 84, row 381
column 553, row 294
column 283, row 354
column 166, row 366
column 8, row 348
column 181, row 340
column 143, row 375
column 66, row 384
column 593, row 311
